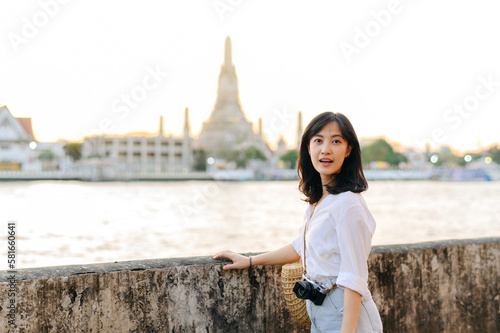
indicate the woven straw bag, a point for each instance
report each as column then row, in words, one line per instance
column 291, row 273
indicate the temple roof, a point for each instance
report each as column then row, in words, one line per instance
column 26, row 123
column 16, row 127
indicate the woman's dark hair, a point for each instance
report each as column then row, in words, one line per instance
column 350, row 176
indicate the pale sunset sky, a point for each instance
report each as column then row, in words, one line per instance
column 412, row 71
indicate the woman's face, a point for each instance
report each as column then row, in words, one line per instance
column 328, row 149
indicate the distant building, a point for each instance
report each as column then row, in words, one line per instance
column 281, row 148
column 16, row 135
column 416, row 159
column 227, row 128
column 144, row 153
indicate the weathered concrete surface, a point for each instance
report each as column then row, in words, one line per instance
column 450, row 286
column 165, row 295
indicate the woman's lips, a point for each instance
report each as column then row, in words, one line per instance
column 325, row 162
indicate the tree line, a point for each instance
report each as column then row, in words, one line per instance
column 379, row 150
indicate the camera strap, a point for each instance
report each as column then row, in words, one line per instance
column 304, row 264
column 304, row 241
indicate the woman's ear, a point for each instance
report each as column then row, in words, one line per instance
column 348, row 151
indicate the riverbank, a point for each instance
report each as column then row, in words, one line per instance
column 245, row 175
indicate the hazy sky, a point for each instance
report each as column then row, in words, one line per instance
column 413, row 71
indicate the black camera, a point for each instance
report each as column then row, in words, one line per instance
column 307, row 290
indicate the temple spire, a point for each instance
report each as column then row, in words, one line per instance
column 227, row 128
column 187, row 125
column 227, row 103
column 299, row 129
column 160, row 130
column 228, row 57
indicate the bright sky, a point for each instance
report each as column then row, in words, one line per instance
column 412, row 71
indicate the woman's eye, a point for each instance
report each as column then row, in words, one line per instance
column 336, row 141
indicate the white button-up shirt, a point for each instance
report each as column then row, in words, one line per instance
column 338, row 240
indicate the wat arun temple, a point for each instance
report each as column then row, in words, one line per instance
column 227, row 127
column 225, row 134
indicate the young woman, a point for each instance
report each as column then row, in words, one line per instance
column 338, row 229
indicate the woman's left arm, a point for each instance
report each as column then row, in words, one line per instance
column 352, row 303
column 355, row 229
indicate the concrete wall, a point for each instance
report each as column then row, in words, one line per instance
column 448, row 286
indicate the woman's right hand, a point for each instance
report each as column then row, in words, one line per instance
column 239, row 261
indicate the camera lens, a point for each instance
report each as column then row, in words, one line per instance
column 303, row 289
column 306, row 290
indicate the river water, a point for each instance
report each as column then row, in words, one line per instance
column 66, row 222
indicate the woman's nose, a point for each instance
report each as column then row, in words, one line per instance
column 326, row 149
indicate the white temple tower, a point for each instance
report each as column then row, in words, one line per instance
column 227, row 128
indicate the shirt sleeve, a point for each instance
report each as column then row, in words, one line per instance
column 297, row 245
column 354, row 237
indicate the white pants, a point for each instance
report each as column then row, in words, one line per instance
column 328, row 316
